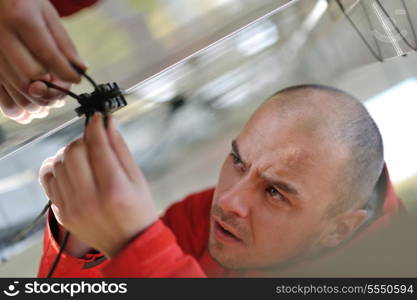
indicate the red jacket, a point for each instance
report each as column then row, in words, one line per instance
column 69, row 7
column 174, row 246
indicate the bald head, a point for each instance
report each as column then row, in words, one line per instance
column 343, row 123
column 295, row 180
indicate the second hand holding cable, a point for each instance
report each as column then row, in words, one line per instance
column 105, row 99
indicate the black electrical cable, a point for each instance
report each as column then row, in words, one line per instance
column 58, row 257
column 61, row 89
column 22, row 234
column 81, row 71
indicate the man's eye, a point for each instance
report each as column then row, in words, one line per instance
column 274, row 193
column 236, row 160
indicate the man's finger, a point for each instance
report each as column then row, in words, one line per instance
column 38, row 39
column 55, row 193
column 21, row 59
column 22, row 100
column 78, row 168
column 105, row 165
column 48, row 166
column 63, row 180
column 55, row 94
column 62, row 38
column 45, row 168
column 11, row 109
column 25, row 118
column 39, row 90
column 45, row 183
column 42, row 113
column 59, row 155
column 58, row 103
column 8, row 75
column 8, row 106
column 122, row 152
column 45, row 171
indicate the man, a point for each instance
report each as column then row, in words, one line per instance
column 295, row 184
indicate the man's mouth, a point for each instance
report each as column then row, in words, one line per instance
column 224, row 232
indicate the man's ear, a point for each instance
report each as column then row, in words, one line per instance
column 343, row 227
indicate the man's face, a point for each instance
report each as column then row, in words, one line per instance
column 274, row 187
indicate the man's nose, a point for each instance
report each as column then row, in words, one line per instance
column 235, row 200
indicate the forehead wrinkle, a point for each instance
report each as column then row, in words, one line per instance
column 289, row 140
column 293, row 161
column 255, row 148
column 295, row 135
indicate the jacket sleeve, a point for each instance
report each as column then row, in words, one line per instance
column 68, row 266
column 155, row 253
column 69, row 7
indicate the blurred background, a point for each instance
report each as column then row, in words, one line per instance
column 195, row 70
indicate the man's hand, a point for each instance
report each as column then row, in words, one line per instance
column 97, row 191
column 33, row 46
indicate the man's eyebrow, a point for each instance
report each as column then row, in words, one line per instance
column 286, row 187
column 235, row 150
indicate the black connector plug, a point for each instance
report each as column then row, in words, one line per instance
column 105, row 99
